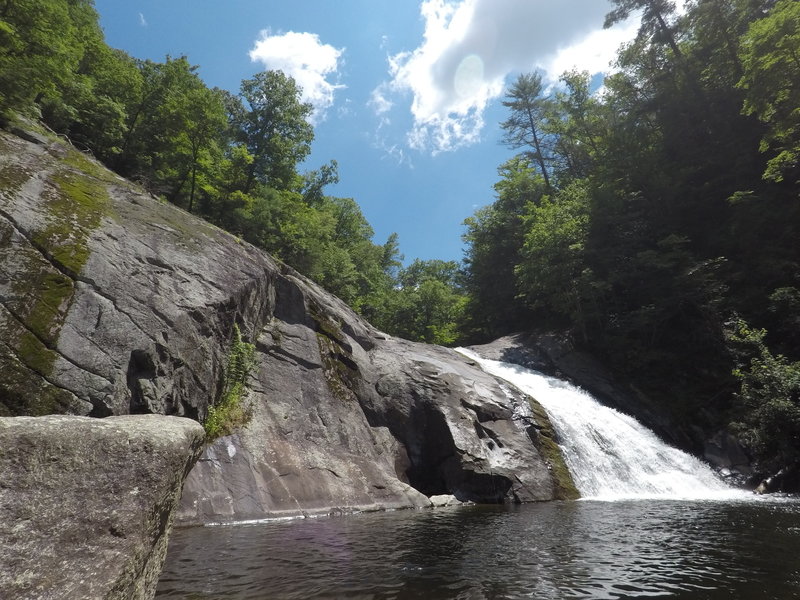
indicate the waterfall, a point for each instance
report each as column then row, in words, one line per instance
column 609, row 454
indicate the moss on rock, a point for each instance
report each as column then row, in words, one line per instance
column 72, row 202
column 74, row 212
column 23, row 392
column 338, row 366
column 547, row 446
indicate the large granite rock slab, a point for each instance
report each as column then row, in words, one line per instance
column 86, row 504
column 112, row 302
column 348, row 419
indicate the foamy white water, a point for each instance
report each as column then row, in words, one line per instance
column 609, row 454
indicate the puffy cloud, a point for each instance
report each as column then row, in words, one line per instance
column 305, row 58
column 471, row 46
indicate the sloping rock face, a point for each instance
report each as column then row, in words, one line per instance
column 367, row 430
column 115, row 303
column 86, row 504
column 111, row 302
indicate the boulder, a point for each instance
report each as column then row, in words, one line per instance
column 444, row 500
column 346, row 419
column 86, row 505
column 724, row 452
column 786, row 481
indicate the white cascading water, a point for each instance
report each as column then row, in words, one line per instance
column 609, row 454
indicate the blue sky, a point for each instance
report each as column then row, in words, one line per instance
column 407, row 94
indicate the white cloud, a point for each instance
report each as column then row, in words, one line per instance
column 142, row 20
column 304, row 57
column 595, row 53
column 379, row 100
column 470, row 47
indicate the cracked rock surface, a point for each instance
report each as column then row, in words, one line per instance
column 112, row 303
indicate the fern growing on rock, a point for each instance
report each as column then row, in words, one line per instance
column 232, row 410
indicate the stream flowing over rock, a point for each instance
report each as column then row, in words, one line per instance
column 86, row 504
column 555, row 355
column 116, row 303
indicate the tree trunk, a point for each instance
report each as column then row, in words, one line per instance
column 538, row 147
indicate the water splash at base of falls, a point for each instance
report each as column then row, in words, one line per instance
column 610, row 455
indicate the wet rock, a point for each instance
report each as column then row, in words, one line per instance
column 787, row 481
column 86, row 505
column 724, row 452
column 444, row 500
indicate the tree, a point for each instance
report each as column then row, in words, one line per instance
column 494, row 237
column 427, row 303
column 315, row 181
column 275, row 129
column 578, row 125
column 96, row 101
column 525, row 126
column 552, row 265
column 41, row 44
column 152, row 124
column 655, row 15
column 770, row 56
column 769, row 398
column 199, row 127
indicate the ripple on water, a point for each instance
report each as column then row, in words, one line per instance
column 585, row 549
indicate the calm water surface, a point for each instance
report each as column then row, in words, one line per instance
column 586, row 549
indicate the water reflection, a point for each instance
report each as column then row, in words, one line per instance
column 549, row 551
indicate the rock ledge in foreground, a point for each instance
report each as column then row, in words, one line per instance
column 86, row 504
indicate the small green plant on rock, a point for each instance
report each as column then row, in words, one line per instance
column 232, row 411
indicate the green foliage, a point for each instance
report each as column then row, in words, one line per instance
column 525, row 129
column 274, row 126
column 552, row 266
column 769, row 398
column 231, row 411
column 41, row 45
column 426, row 304
column 770, row 56
column 494, row 237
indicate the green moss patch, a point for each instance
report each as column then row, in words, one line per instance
column 26, row 393
column 55, row 292
column 41, row 303
column 12, row 177
column 74, row 212
column 547, row 446
column 338, row 367
column 42, row 295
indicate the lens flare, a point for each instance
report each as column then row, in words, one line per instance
column 469, row 76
